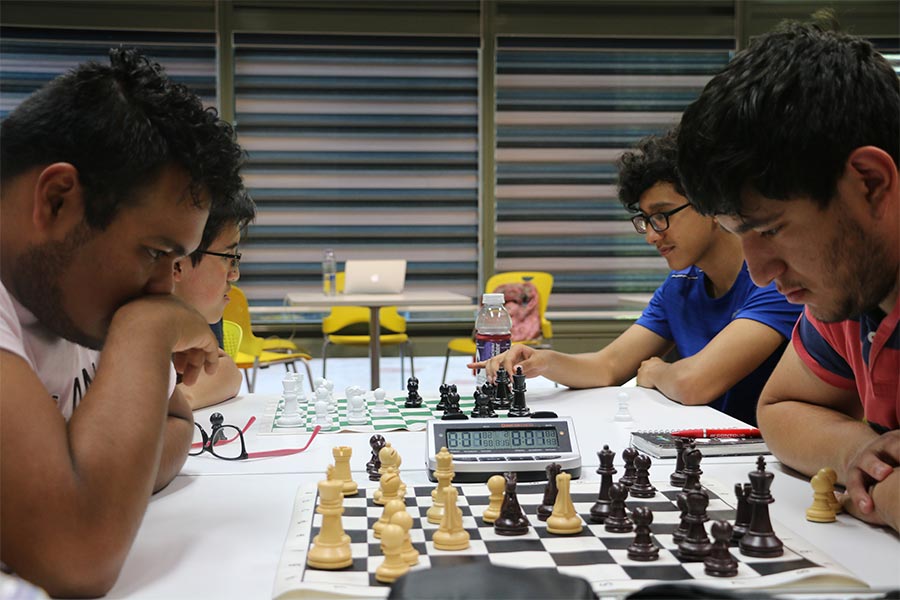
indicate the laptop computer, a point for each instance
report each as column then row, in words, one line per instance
column 374, row 276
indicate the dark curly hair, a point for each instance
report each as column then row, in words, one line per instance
column 652, row 161
column 784, row 115
column 120, row 125
column 240, row 212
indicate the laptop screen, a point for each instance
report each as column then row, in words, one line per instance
column 374, row 276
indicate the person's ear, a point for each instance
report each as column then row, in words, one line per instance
column 58, row 200
column 877, row 173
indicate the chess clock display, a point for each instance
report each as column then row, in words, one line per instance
column 485, row 447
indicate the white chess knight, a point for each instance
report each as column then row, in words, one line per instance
column 623, row 415
column 379, row 410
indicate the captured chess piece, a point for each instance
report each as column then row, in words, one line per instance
column 821, row 510
column 512, row 519
column 760, row 540
column 623, row 415
column 331, row 547
column 413, row 399
column 451, row 535
column 564, row 520
column 518, row 407
column 720, row 562
column 642, row 548
column 550, row 492
column 496, row 485
column 444, row 475
column 342, row 471
column 600, row 509
column 376, row 443
column 835, row 503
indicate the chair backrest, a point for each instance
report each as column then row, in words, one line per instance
column 238, row 311
column 542, row 282
column 354, row 320
column 232, row 335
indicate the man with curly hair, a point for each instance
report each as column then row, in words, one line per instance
column 107, row 176
column 795, row 146
column 728, row 333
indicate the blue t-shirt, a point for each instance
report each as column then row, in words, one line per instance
column 681, row 311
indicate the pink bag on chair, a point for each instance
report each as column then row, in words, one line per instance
column 522, row 302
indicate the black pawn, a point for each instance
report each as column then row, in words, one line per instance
column 512, row 519
column 600, row 509
column 760, row 540
column 376, row 443
column 216, row 420
column 677, row 477
column 744, row 510
column 445, row 395
column 720, row 562
column 550, row 492
column 504, row 395
column 413, row 399
column 628, row 477
column 692, row 472
column 695, row 546
column 642, row 548
column 518, row 408
column 642, row 488
column 617, row 521
column 681, row 530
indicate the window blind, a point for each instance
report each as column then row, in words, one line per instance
column 566, row 109
column 366, row 144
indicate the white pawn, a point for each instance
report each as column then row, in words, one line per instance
column 379, row 410
column 356, row 404
column 623, row 415
column 323, row 419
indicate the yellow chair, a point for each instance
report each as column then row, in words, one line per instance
column 232, row 335
column 349, row 326
column 542, row 281
column 255, row 352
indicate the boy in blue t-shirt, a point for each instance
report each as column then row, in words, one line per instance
column 729, row 333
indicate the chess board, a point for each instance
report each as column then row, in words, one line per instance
column 594, row 554
column 399, row 418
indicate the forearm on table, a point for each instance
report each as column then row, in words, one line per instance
column 808, row 437
column 580, row 371
column 179, row 431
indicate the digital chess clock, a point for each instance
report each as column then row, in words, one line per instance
column 485, row 447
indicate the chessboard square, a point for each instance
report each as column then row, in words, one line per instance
column 585, row 497
column 489, row 534
column 698, row 571
column 655, row 506
column 728, row 514
column 523, row 560
column 620, row 556
column 476, row 548
column 358, row 549
column 420, row 491
column 453, row 560
column 513, row 544
column 652, row 571
column 666, row 518
column 584, row 508
column 350, row 577
column 429, row 532
column 584, row 557
column 773, row 566
column 524, row 489
column 596, row 572
column 477, row 500
column 617, row 543
column 355, row 511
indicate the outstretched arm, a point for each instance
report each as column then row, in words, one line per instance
column 729, row 357
column 60, row 482
column 613, row 365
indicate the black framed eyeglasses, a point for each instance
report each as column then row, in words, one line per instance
column 218, row 441
column 234, row 259
column 658, row 221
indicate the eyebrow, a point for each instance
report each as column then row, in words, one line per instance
column 748, row 223
column 176, row 248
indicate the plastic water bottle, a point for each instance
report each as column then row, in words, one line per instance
column 329, row 273
column 493, row 327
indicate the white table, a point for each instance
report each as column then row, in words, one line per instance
column 218, row 530
column 374, row 302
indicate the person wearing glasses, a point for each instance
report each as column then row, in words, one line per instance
column 727, row 332
column 795, row 145
column 203, row 280
column 107, row 176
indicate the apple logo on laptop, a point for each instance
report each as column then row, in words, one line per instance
column 374, row 278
